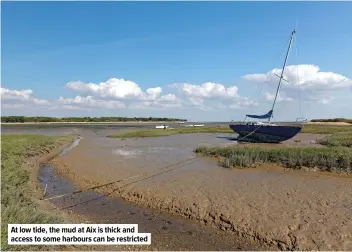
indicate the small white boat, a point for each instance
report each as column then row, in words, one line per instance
column 162, row 127
column 194, row 125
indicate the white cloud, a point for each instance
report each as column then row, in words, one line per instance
column 154, row 93
column 281, row 97
column 165, row 101
column 119, row 89
column 20, row 98
column 212, row 96
column 116, row 89
column 304, row 77
column 208, row 90
column 325, row 101
column 89, row 102
column 243, row 103
column 322, row 99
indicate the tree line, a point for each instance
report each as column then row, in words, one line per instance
column 24, row 119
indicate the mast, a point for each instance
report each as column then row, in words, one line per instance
column 282, row 72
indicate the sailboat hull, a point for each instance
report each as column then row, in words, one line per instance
column 265, row 133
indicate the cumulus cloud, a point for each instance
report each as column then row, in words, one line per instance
column 112, row 92
column 325, row 100
column 208, row 90
column 89, row 102
column 243, row 103
column 20, row 98
column 303, row 77
column 164, row 101
column 116, row 89
column 210, row 96
column 281, row 97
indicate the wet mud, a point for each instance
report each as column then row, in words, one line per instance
column 168, row 232
column 271, row 206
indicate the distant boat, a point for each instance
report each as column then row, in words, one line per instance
column 162, row 127
column 194, row 125
column 267, row 132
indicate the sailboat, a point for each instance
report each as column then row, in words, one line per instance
column 267, row 132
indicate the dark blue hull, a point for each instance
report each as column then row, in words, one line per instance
column 265, row 133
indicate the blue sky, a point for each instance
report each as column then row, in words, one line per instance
column 188, row 54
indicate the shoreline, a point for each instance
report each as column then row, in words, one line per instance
column 127, row 122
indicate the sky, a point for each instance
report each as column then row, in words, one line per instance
column 200, row 61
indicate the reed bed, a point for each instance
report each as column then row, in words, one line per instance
column 340, row 139
column 169, row 132
column 334, row 159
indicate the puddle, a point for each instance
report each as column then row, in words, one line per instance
column 73, row 145
column 127, row 153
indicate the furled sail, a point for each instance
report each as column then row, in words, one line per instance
column 267, row 115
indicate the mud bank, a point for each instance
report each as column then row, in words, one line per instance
column 282, row 208
column 168, row 232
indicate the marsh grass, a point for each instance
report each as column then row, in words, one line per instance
column 325, row 129
column 340, row 139
column 168, row 132
column 17, row 204
column 334, row 159
column 308, row 128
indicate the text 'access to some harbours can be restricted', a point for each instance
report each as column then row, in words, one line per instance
column 76, row 234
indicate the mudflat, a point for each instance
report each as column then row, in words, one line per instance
column 272, row 206
column 285, row 208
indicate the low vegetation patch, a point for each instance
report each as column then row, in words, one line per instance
column 17, row 202
column 308, row 128
column 334, row 159
column 339, row 139
column 333, row 120
column 325, row 129
column 168, row 132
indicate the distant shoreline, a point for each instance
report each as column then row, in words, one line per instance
column 127, row 122
column 155, row 122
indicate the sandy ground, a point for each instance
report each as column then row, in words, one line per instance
column 285, row 208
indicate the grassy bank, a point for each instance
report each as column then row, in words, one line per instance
column 333, row 120
column 17, row 201
column 316, row 129
column 168, row 132
column 340, row 139
column 325, row 129
column 334, row 159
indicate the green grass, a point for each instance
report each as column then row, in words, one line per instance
column 168, row 132
column 334, row 159
column 308, row 128
column 339, row 139
column 325, row 129
column 18, row 205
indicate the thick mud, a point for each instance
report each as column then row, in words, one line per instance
column 269, row 206
column 168, row 232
